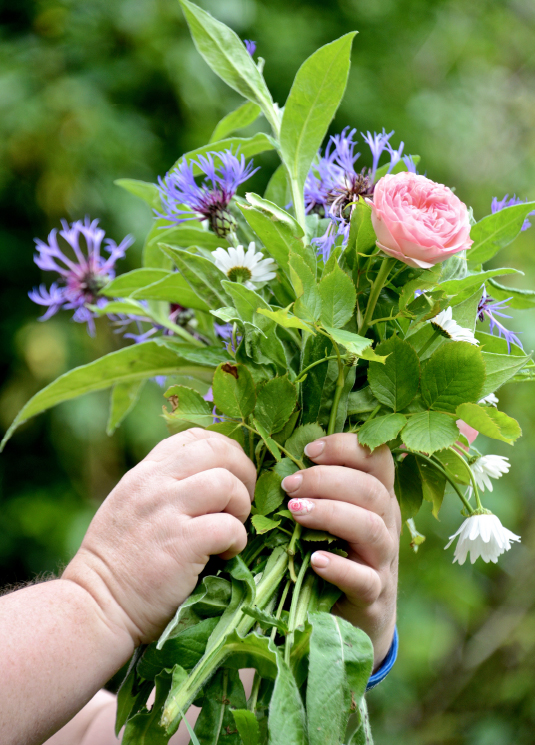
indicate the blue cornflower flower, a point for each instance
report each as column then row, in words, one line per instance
column 209, row 200
column 499, row 204
column 377, row 144
column 83, row 271
column 490, row 308
column 410, row 164
column 250, row 46
column 224, row 331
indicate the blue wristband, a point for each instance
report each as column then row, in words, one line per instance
column 387, row 664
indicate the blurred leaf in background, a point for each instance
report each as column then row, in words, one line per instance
column 94, row 91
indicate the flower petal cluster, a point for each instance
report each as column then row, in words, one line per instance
column 482, row 535
column 489, row 467
column 499, row 204
column 184, row 199
column 445, row 322
column 417, row 220
column 248, row 267
column 82, row 269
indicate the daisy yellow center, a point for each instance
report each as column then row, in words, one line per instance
column 239, row 274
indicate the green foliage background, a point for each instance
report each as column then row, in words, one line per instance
column 96, row 90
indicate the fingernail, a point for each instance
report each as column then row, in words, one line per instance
column 319, row 560
column 292, row 483
column 301, row 506
column 313, row 449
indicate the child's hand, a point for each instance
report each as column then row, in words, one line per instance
column 351, row 495
column 152, row 536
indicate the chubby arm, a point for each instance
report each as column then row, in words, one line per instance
column 62, row 640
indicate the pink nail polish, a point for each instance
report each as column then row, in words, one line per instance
column 292, row 483
column 319, row 560
column 315, row 449
column 301, row 506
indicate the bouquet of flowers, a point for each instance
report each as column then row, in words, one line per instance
column 342, row 300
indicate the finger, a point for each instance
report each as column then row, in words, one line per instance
column 364, row 531
column 217, row 535
column 215, row 490
column 344, row 485
column 343, row 449
column 359, row 582
column 170, row 444
column 185, row 458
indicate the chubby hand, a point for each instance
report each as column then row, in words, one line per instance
column 152, row 536
column 350, row 493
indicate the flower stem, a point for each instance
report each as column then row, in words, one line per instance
column 438, row 465
column 430, row 341
column 293, row 608
column 291, row 550
column 472, row 478
column 282, row 600
column 337, row 392
column 377, row 286
column 317, row 362
column 251, row 704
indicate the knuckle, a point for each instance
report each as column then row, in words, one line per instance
column 370, row 589
column 374, row 527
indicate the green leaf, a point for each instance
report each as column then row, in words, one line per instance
column 340, row 664
column 269, row 442
column 126, row 365
column 265, row 618
column 241, row 117
column 301, row 437
column 308, row 304
column 377, row 431
column 215, row 724
column 465, row 313
column 277, row 236
column 490, row 422
column 132, row 694
column 277, row 213
column 429, row 431
column 246, row 301
column 361, row 234
column 519, row 299
column 338, row 298
column 124, row 397
column 173, row 289
column 312, row 387
column 187, row 646
column 408, row 487
column 314, row 536
column 354, row 343
column 285, row 467
column 499, row 369
column 287, row 721
column 144, row 190
column 433, row 484
column 201, row 274
column 226, row 54
column 247, row 726
column 473, row 280
column 278, row 190
column 233, row 430
column 188, row 406
column 234, row 390
column 361, row 402
column 455, row 466
column 453, row 375
column 283, row 318
column 314, row 98
column 263, row 524
column 496, row 231
column 275, row 403
column 395, row 383
column 497, row 345
column 125, row 284
column 144, row 728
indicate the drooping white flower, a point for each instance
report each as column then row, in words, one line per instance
column 245, row 267
column 451, row 328
column 490, row 399
column 487, row 467
column 482, row 535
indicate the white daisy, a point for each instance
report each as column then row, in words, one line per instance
column 482, row 535
column 491, row 399
column 451, row 328
column 245, row 267
column 487, row 467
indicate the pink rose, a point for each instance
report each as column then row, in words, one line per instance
column 418, row 221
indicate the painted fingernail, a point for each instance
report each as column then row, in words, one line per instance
column 292, row 483
column 319, row 560
column 301, row 506
column 314, row 449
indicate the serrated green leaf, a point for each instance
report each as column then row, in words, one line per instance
column 496, row 231
column 275, row 402
column 269, row 442
column 354, row 343
column 433, row 484
column 189, row 406
column 490, row 422
column 247, row 726
column 283, row 318
column 429, row 431
column 454, row 374
column 314, row 98
column 395, row 383
column 301, row 437
column 308, row 304
column 408, row 487
column 338, row 298
column 381, row 429
column 241, row 117
column 268, row 494
column 234, row 390
column 361, row 402
column 316, row 536
column 124, row 397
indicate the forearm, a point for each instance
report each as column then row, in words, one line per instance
column 57, row 651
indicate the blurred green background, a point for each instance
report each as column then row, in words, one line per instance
column 94, row 90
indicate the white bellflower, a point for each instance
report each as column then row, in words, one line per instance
column 482, row 535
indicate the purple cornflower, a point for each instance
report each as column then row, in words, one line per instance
column 250, row 46
column 82, row 274
column 410, row 164
column 500, row 204
column 490, row 308
column 209, row 200
column 224, row 331
column 209, row 396
column 377, row 144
